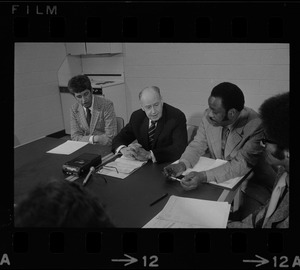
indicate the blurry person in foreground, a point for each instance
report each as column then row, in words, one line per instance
column 60, row 204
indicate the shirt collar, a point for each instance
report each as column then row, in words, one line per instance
column 154, row 121
column 241, row 115
column 282, row 180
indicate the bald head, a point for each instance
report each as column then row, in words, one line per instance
column 151, row 102
column 150, row 90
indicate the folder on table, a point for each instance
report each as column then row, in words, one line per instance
column 121, row 167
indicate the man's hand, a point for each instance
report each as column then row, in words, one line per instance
column 100, row 139
column 174, row 170
column 142, row 154
column 193, row 179
column 134, row 146
column 128, row 152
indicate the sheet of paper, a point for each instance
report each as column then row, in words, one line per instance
column 180, row 212
column 121, row 167
column 205, row 164
column 67, row 148
column 229, row 183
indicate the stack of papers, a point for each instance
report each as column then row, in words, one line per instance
column 67, row 148
column 180, row 212
column 121, row 167
column 205, row 164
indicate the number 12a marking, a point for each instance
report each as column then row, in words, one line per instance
column 152, row 261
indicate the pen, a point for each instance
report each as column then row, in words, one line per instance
column 175, row 178
column 159, row 199
column 88, row 176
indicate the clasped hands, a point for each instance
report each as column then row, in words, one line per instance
column 136, row 151
column 190, row 181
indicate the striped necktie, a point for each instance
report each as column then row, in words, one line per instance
column 151, row 133
column 88, row 116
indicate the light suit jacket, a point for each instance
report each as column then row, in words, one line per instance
column 242, row 148
column 279, row 219
column 103, row 121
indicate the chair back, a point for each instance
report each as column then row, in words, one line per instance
column 191, row 130
column 120, row 123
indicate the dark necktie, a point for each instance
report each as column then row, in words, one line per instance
column 151, row 133
column 225, row 133
column 88, row 115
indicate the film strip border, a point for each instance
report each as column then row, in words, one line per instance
column 148, row 22
column 234, row 22
column 179, row 249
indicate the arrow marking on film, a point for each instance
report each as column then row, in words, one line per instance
column 261, row 261
column 129, row 261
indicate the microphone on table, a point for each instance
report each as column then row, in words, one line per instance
column 92, row 169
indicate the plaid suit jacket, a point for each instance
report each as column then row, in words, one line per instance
column 103, row 121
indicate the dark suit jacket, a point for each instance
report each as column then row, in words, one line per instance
column 170, row 137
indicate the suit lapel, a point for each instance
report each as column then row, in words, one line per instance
column 82, row 117
column 236, row 133
column 160, row 126
column 282, row 210
column 144, row 131
column 233, row 140
column 94, row 119
column 215, row 136
column 95, row 116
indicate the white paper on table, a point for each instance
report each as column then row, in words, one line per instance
column 67, row 147
column 112, row 172
column 121, row 167
column 181, row 212
column 229, row 183
column 205, row 164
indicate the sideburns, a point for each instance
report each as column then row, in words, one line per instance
column 279, row 154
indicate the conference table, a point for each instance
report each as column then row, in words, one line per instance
column 127, row 201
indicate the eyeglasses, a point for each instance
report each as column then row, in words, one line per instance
column 264, row 141
column 108, row 167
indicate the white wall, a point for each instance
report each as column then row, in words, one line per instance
column 98, row 64
column 70, row 67
column 186, row 73
column 37, row 110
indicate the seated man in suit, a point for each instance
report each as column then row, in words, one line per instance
column 275, row 213
column 60, row 203
column 159, row 128
column 93, row 117
column 228, row 131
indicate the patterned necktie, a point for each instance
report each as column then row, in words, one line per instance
column 88, row 115
column 151, row 133
column 276, row 194
column 225, row 133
